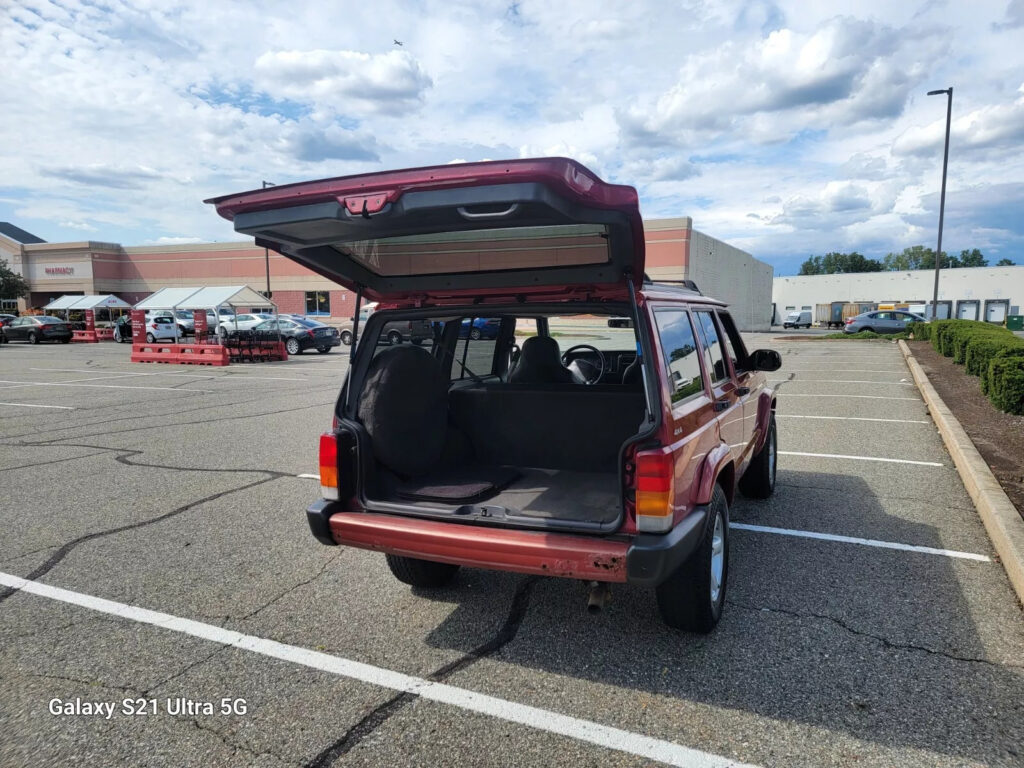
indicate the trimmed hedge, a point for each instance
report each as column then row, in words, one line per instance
column 988, row 351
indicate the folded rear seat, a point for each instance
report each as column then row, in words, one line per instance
column 404, row 408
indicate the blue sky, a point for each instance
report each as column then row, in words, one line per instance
column 787, row 128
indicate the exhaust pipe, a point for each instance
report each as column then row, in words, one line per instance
column 599, row 595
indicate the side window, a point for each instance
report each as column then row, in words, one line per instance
column 680, row 348
column 732, row 342
column 474, row 352
column 713, row 354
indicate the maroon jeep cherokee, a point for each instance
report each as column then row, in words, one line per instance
column 610, row 464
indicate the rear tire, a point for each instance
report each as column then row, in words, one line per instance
column 394, row 338
column 346, row 338
column 758, row 482
column 691, row 598
column 421, row 573
column 150, row 338
column 323, row 350
column 475, row 333
column 33, row 339
column 293, row 347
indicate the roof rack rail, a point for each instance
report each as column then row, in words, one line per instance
column 685, row 283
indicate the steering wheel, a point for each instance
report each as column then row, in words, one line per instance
column 583, row 370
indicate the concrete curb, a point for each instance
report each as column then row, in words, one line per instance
column 1002, row 521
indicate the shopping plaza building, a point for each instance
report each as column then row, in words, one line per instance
column 675, row 251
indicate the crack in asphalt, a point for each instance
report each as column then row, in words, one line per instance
column 291, row 589
column 76, row 427
column 879, row 638
column 380, row 714
column 65, row 549
column 237, row 747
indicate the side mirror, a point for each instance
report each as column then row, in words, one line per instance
column 765, row 360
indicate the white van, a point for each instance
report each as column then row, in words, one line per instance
column 797, row 319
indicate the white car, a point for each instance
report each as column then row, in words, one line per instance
column 159, row 327
column 241, row 322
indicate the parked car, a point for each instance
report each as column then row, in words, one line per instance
column 394, row 332
column 481, row 328
column 555, row 464
column 300, row 335
column 123, row 329
column 161, row 326
column 882, row 321
column 798, row 319
column 241, row 322
column 37, row 328
column 5, row 319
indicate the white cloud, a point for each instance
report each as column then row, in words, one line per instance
column 777, row 124
column 344, row 81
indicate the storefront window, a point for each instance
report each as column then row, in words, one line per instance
column 318, row 303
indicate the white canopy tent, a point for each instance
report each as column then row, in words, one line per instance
column 209, row 298
column 69, row 304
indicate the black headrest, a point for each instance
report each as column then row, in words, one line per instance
column 540, row 362
column 404, row 407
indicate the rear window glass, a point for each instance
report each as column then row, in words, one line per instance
column 482, row 250
column 713, row 355
column 681, row 356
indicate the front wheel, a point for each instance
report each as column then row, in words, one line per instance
column 292, row 346
column 421, row 573
column 692, row 597
column 758, row 482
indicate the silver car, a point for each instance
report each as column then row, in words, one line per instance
column 882, row 321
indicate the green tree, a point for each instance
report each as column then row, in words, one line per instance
column 812, row 266
column 972, row 258
column 12, row 285
column 1005, row 263
column 839, row 263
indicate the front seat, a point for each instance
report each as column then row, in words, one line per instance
column 540, row 362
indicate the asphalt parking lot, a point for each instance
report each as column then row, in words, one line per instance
column 157, row 514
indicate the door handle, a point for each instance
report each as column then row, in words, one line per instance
column 721, row 405
column 741, row 391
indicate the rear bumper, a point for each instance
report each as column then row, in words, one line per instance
column 645, row 560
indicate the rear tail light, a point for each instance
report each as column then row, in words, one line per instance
column 655, row 475
column 849, row 320
column 329, row 466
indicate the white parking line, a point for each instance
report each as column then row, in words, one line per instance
column 861, row 397
column 17, row 384
column 839, row 381
column 502, row 709
column 310, row 477
column 826, row 369
column 849, row 418
column 116, row 374
column 29, row 405
column 860, row 458
column 862, row 542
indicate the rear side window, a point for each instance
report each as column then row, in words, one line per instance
column 713, row 354
column 732, row 341
column 680, row 348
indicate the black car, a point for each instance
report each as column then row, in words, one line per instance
column 37, row 328
column 301, row 334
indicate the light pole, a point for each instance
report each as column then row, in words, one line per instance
column 942, row 197
column 266, row 253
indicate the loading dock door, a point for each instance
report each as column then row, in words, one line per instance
column 996, row 310
column 967, row 310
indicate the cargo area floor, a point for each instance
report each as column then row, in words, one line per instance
column 552, row 493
